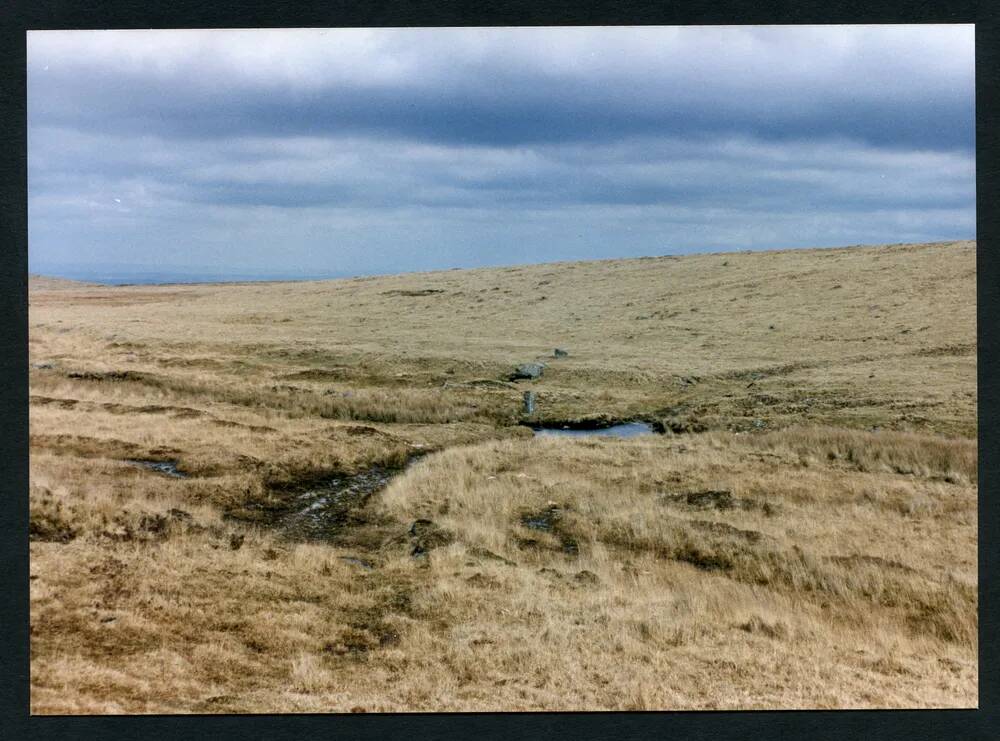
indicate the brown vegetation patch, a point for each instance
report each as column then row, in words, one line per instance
column 92, row 447
column 178, row 412
column 241, row 426
column 363, row 431
column 490, row 383
column 426, row 535
column 50, row 520
column 868, row 560
column 966, row 348
column 318, row 374
column 110, row 376
column 756, row 624
column 185, row 362
column 107, row 297
column 47, row 400
column 720, row 500
column 412, row 292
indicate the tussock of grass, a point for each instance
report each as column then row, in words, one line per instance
column 395, row 406
column 486, row 503
column 954, row 460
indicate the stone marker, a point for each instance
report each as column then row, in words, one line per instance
column 529, row 402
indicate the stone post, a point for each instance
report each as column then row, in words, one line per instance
column 529, row 402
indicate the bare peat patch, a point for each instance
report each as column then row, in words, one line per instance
column 717, row 499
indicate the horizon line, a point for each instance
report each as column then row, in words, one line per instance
column 174, row 276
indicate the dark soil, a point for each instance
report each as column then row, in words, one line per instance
column 717, row 499
column 108, row 376
column 316, row 511
column 419, row 292
column 326, row 506
column 548, row 520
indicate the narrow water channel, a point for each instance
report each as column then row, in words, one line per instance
column 168, row 468
column 319, row 512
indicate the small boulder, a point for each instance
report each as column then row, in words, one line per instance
column 529, row 371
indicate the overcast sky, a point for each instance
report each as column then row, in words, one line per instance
column 334, row 152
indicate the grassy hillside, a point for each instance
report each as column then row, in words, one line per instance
column 803, row 534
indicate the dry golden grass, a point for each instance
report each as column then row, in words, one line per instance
column 804, row 535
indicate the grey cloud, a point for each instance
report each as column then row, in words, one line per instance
column 380, row 173
column 537, row 85
column 369, row 151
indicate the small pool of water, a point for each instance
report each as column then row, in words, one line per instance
column 626, row 429
column 166, row 467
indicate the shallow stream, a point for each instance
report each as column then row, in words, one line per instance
column 320, row 511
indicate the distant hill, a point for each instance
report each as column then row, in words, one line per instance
column 48, row 283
